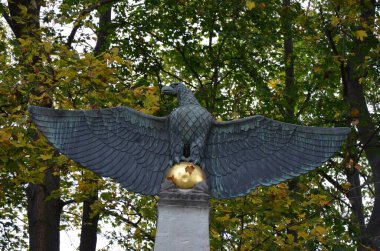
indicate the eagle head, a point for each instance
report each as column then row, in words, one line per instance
column 172, row 89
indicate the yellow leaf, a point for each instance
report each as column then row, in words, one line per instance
column 303, row 234
column 23, row 9
column 214, row 233
column 282, row 186
column 318, row 230
column 48, row 47
column 280, row 227
column 317, row 69
column 361, row 34
column 319, row 199
column 5, row 135
column 301, row 216
column 346, row 185
column 290, row 238
column 361, row 80
column 273, row 83
column 25, row 42
column 250, row 5
column 42, row 169
column 223, row 218
column 46, row 156
column 115, row 50
column 336, row 38
column 335, row 21
column 337, row 60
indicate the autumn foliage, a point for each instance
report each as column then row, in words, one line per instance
column 307, row 62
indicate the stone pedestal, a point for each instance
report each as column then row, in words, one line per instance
column 183, row 219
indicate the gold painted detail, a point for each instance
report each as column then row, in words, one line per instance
column 185, row 175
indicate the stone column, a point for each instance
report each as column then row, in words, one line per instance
column 183, row 219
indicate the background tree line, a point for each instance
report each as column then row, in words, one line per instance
column 310, row 62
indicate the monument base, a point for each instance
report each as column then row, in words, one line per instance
column 183, row 219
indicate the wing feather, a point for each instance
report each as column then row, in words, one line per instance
column 121, row 143
column 253, row 151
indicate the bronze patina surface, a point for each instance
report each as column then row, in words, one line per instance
column 137, row 149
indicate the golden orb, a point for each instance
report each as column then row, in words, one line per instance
column 185, row 175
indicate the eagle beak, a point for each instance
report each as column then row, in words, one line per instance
column 168, row 90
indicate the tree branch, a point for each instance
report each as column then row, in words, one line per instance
column 366, row 144
column 82, row 15
column 67, row 202
column 6, row 16
column 134, row 224
column 332, row 181
column 159, row 65
column 335, row 52
column 195, row 73
column 305, row 103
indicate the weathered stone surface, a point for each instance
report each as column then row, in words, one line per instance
column 183, row 219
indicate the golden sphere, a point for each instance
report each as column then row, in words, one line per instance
column 185, row 175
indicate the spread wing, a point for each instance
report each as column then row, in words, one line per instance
column 246, row 153
column 121, row 143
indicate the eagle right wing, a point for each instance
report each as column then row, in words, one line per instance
column 124, row 144
column 243, row 154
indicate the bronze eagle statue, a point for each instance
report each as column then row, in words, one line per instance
column 137, row 149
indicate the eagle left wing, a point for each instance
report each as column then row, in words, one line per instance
column 243, row 154
column 124, row 144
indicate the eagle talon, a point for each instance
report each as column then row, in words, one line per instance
column 202, row 164
column 171, row 163
column 177, row 160
column 184, row 159
column 195, row 161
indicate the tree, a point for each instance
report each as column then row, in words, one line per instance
column 43, row 216
column 51, row 73
column 353, row 28
column 310, row 62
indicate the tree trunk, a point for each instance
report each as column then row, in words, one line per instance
column 352, row 70
column 88, row 236
column 103, row 31
column 43, row 213
column 370, row 140
column 289, row 90
column 367, row 132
